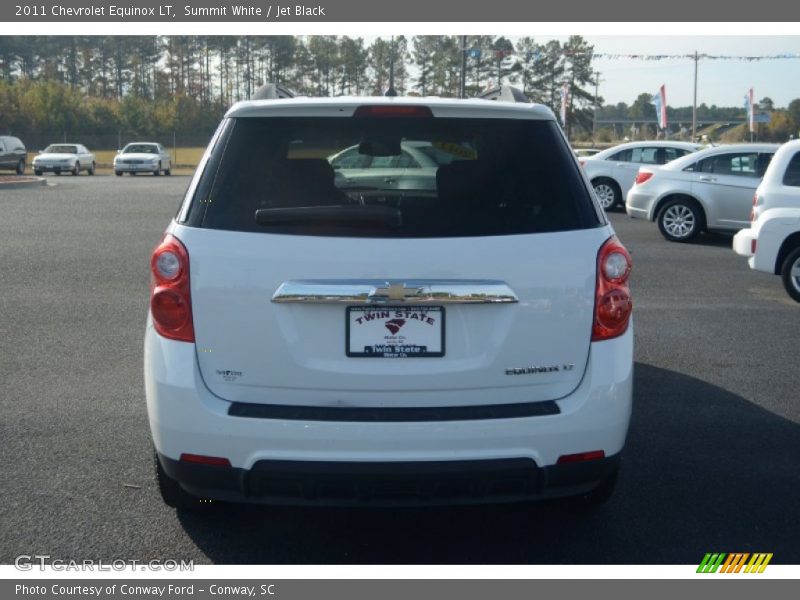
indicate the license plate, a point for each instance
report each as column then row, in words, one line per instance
column 395, row 331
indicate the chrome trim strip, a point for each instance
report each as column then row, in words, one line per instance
column 379, row 291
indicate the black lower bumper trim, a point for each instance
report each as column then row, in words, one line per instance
column 392, row 414
column 389, row 483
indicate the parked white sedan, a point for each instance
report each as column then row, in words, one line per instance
column 143, row 157
column 613, row 170
column 708, row 190
column 64, row 158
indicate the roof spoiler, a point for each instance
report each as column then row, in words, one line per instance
column 272, row 91
column 505, row 93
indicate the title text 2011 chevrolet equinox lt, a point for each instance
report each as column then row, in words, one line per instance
column 312, row 340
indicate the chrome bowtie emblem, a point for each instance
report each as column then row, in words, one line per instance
column 394, row 292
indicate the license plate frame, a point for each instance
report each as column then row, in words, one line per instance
column 394, row 343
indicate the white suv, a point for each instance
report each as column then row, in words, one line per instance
column 772, row 242
column 467, row 342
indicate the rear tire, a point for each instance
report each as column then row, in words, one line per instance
column 21, row 167
column 91, row 169
column 37, row 172
column 172, row 493
column 157, row 172
column 76, row 170
column 790, row 274
column 168, row 171
column 608, row 193
column 118, row 173
column 680, row 220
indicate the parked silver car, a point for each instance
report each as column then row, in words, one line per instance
column 143, row 157
column 412, row 168
column 708, row 190
column 613, row 170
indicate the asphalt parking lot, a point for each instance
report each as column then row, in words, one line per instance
column 711, row 463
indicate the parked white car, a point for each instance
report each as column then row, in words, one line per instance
column 307, row 343
column 64, row 158
column 613, row 170
column 709, row 190
column 143, row 157
column 772, row 243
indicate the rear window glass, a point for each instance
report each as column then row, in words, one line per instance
column 61, row 149
column 393, row 177
column 792, row 175
column 673, row 153
column 648, row 156
column 140, row 149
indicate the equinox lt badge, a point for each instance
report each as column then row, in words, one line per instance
column 535, row 370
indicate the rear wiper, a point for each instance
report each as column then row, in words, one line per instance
column 385, row 216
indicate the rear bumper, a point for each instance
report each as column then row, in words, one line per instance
column 389, row 483
column 639, row 205
column 185, row 417
column 742, row 242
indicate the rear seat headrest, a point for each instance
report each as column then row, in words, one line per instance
column 309, row 172
column 460, row 177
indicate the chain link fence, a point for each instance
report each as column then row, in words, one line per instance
column 178, row 144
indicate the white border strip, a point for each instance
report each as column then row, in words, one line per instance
column 274, row 572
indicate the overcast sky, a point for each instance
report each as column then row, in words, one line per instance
column 723, row 83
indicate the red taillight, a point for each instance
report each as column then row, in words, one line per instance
column 199, row 459
column 391, row 110
column 642, row 176
column 612, row 304
column 170, row 297
column 756, row 202
column 580, row 457
column 753, row 244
